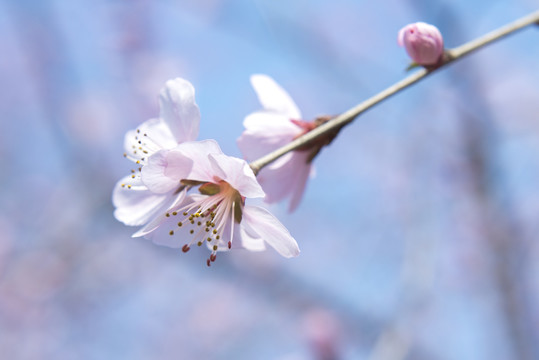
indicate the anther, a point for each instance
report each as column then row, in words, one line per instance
column 185, row 248
column 213, row 257
column 214, row 247
column 208, row 262
column 129, row 186
column 171, row 232
column 174, row 213
column 230, row 244
column 191, row 231
column 199, row 243
column 180, row 224
column 167, row 215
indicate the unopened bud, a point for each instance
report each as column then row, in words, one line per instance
column 423, row 42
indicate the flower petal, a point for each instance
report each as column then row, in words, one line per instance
column 198, row 152
column 178, row 201
column 262, row 222
column 273, row 97
column 179, row 109
column 238, row 174
column 265, row 132
column 135, row 203
column 151, row 136
column 164, row 171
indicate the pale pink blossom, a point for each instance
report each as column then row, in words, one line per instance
column 217, row 216
column 178, row 122
column 423, row 43
column 277, row 124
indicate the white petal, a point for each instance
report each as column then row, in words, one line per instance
column 198, row 151
column 135, row 205
column 265, row 132
column 178, row 201
column 179, row 109
column 273, row 97
column 263, row 223
column 248, row 241
column 238, row 174
column 153, row 135
column 164, row 171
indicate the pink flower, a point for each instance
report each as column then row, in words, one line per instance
column 217, row 215
column 423, row 43
column 266, row 130
column 178, row 122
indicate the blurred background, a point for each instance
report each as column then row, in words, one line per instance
column 418, row 233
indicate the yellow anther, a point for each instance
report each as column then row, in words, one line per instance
column 217, row 237
column 167, row 215
column 199, row 223
column 191, row 231
column 129, row 186
column 174, row 213
column 214, row 247
column 171, row 232
column 199, row 243
column 123, row 185
column 180, row 224
column 132, row 176
column 214, row 231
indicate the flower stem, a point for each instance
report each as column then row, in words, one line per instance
column 347, row 117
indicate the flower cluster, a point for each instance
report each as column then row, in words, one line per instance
column 161, row 193
column 185, row 192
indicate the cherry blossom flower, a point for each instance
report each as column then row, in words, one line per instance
column 178, row 122
column 276, row 125
column 217, row 215
column 423, row 42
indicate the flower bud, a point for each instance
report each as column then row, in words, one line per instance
column 423, row 42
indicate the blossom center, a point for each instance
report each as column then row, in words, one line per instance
column 210, row 217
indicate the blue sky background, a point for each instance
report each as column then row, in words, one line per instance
column 418, row 233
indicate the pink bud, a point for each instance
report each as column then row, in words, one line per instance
column 423, row 42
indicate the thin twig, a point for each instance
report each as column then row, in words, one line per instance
column 347, row 117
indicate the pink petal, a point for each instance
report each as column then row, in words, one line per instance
column 135, row 205
column 285, row 178
column 302, row 175
column 262, row 222
column 179, row 109
column 238, row 174
column 265, row 132
column 273, row 97
column 164, row 171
